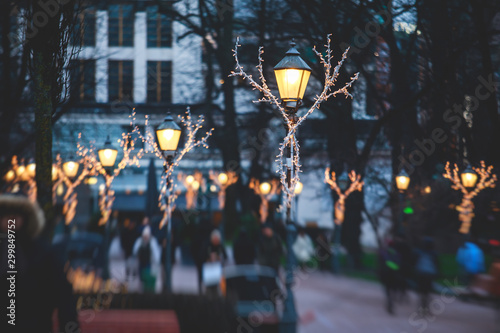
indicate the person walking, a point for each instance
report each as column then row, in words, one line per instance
column 390, row 273
column 243, row 249
column 303, row 248
column 148, row 252
column 269, row 249
column 426, row 270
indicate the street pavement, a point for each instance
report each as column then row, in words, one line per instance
column 331, row 303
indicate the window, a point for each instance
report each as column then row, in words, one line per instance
column 85, row 28
column 121, row 80
column 121, row 25
column 82, row 74
column 159, row 28
column 159, row 81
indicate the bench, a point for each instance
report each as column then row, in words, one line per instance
column 127, row 321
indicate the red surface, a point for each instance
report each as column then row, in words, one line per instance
column 128, row 321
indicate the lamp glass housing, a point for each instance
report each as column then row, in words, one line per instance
column 292, row 75
column 189, row 179
column 10, row 176
column 223, row 178
column 265, row 188
column 168, row 134
column 107, row 154
column 70, row 168
column 31, row 170
column 468, row 177
column 298, row 188
column 402, row 181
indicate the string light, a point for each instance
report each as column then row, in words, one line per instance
column 356, row 185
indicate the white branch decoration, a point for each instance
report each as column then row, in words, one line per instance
column 466, row 207
column 356, row 185
column 290, row 140
column 192, row 127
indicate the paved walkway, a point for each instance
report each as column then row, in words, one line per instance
column 328, row 303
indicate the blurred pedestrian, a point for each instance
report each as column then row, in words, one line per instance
column 390, row 273
column 199, row 247
column 426, row 270
column 324, row 252
column 214, row 261
column 128, row 236
column 40, row 285
column 269, row 249
column 148, row 252
column 471, row 261
column 243, row 249
column 303, row 248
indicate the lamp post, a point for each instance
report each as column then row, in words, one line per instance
column 168, row 134
column 402, row 182
column 297, row 190
column 292, row 74
column 107, row 157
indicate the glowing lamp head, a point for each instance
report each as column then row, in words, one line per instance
column 168, row 134
column 468, row 177
column 196, row 185
column 292, row 74
column 427, row 189
column 213, row 188
column 70, row 168
column 189, row 179
column 10, row 176
column 223, row 178
column 265, row 188
column 20, row 170
column 31, row 170
column 402, row 181
column 298, row 188
column 107, row 154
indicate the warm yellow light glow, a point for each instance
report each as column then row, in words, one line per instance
column 54, row 172
column 213, row 188
column 298, row 188
column 223, row 178
column 292, row 83
column 60, row 190
column 107, row 157
column 168, row 134
column 469, row 179
column 70, row 168
column 195, row 185
column 427, row 189
column 91, row 181
column 265, row 188
column 31, row 170
column 189, row 179
column 402, row 182
column 10, row 176
column 20, row 170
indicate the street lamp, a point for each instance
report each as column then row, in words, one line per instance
column 292, row 75
column 168, row 134
column 402, row 182
column 298, row 188
column 70, row 168
column 107, row 154
column 31, row 170
column 265, row 188
column 223, row 178
column 468, row 177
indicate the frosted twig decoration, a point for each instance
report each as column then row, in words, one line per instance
column 70, row 196
column 356, row 185
column 127, row 145
column 466, row 207
column 223, row 181
column 192, row 127
column 290, row 140
column 265, row 195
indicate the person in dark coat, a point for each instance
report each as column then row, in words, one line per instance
column 426, row 270
column 270, row 249
column 244, row 249
column 390, row 273
column 40, row 285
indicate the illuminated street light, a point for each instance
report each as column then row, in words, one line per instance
column 107, row 154
column 402, row 181
column 468, row 177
